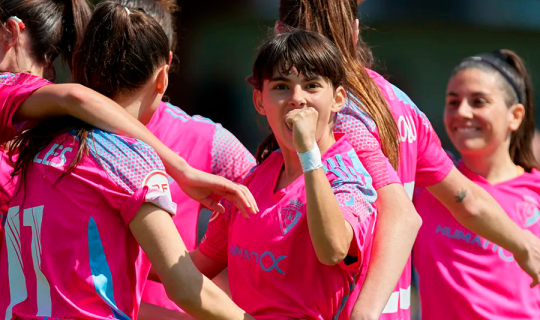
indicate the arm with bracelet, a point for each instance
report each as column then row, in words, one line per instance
column 330, row 233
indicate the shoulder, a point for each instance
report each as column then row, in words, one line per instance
column 129, row 162
column 173, row 112
column 13, row 79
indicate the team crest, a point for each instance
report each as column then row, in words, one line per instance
column 528, row 211
column 290, row 215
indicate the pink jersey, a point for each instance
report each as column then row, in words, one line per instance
column 464, row 276
column 206, row 146
column 422, row 161
column 68, row 252
column 273, row 269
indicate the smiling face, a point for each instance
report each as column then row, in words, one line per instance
column 476, row 116
column 283, row 93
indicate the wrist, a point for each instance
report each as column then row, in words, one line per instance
column 311, row 159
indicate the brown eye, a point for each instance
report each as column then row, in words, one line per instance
column 480, row 102
column 452, row 103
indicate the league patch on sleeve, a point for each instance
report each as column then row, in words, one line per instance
column 158, row 180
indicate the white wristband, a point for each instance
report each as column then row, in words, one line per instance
column 310, row 160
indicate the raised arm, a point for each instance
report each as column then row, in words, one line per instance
column 154, row 230
column 89, row 106
column 475, row 209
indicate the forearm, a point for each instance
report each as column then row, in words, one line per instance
column 330, row 234
column 395, row 232
column 96, row 109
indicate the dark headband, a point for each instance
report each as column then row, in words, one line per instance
column 498, row 62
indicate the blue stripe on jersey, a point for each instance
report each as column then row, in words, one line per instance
column 180, row 114
column 126, row 162
column 352, row 285
column 358, row 168
column 101, row 272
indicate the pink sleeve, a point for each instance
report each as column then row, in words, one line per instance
column 15, row 88
column 362, row 133
column 433, row 163
column 230, row 159
column 356, row 198
column 135, row 174
column 215, row 241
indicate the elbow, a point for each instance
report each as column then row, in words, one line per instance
column 333, row 257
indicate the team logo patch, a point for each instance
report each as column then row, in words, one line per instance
column 158, row 180
column 290, row 215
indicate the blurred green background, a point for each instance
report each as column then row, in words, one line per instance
column 416, row 44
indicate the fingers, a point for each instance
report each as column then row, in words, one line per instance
column 212, row 205
column 239, row 195
column 536, row 281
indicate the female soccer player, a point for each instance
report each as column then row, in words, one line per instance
column 86, row 199
column 489, row 117
column 421, row 161
column 33, row 35
column 302, row 255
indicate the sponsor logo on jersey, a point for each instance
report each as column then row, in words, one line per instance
column 266, row 260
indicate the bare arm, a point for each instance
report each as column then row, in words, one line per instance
column 330, row 234
column 475, row 209
column 96, row 109
column 395, row 232
column 185, row 285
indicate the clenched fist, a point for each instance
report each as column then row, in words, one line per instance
column 303, row 124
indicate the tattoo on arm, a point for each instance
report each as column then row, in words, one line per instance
column 461, row 195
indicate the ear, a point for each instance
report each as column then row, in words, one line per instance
column 257, row 102
column 279, row 27
column 356, row 31
column 162, row 79
column 12, row 33
column 340, row 98
column 516, row 115
column 170, row 57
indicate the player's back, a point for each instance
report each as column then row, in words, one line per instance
column 68, row 252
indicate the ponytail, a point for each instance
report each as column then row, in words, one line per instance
column 334, row 19
column 53, row 26
column 521, row 141
column 266, row 147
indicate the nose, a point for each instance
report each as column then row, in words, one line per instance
column 464, row 109
column 298, row 99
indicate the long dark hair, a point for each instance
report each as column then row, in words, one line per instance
column 517, row 88
column 54, row 26
column 334, row 19
column 310, row 53
column 119, row 53
column 162, row 11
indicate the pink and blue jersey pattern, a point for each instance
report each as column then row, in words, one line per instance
column 206, row 146
column 422, row 161
column 14, row 89
column 464, row 276
column 273, row 269
column 68, row 252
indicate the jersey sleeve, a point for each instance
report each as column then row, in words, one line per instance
column 356, row 196
column 362, row 133
column 135, row 171
column 433, row 164
column 215, row 241
column 15, row 88
column 230, row 159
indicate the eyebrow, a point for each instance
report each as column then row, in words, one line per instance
column 478, row 93
column 279, row 78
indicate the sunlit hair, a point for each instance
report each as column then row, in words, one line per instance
column 516, row 87
column 54, row 26
column 310, row 53
column 119, row 53
column 334, row 19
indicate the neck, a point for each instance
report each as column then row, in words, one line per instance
column 140, row 104
column 293, row 168
column 495, row 167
